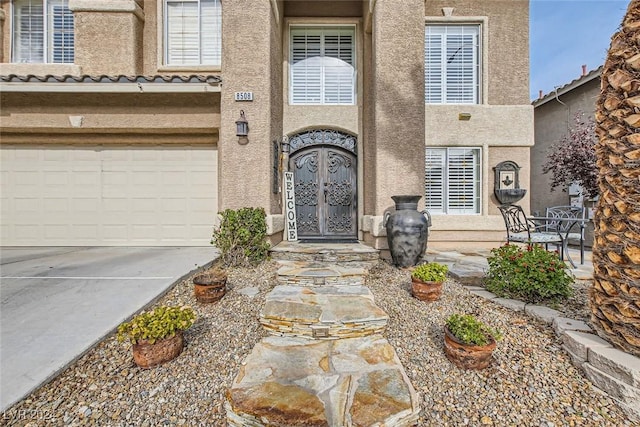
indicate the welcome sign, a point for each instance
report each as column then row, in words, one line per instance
column 290, row 207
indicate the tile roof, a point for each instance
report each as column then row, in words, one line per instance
column 568, row 87
column 49, row 78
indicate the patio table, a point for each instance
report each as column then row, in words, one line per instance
column 565, row 234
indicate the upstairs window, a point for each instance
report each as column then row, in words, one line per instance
column 42, row 31
column 452, row 64
column 322, row 65
column 452, row 180
column 193, row 32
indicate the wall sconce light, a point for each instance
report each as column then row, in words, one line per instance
column 464, row 116
column 242, row 129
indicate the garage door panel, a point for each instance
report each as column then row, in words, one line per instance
column 174, row 178
column 111, row 205
column 144, row 205
column 55, row 204
column 143, row 232
column 84, row 178
column 115, row 232
column 70, row 195
column 27, row 180
column 55, row 232
column 29, row 206
column 85, row 205
column 85, row 231
column 33, row 154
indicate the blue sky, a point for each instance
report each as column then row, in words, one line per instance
column 566, row 34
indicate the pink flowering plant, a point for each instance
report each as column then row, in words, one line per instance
column 573, row 158
column 532, row 274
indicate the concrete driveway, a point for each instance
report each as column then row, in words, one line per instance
column 56, row 303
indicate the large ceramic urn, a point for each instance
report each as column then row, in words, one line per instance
column 407, row 231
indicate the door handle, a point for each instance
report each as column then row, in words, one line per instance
column 326, row 190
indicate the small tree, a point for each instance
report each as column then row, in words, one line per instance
column 573, row 158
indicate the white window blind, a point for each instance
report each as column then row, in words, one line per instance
column 193, row 32
column 33, row 41
column 322, row 65
column 452, row 64
column 61, row 45
column 435, row 168
column 452, row 180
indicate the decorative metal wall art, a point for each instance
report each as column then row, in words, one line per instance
column 322, row 137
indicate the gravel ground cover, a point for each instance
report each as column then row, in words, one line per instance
column 530, row 383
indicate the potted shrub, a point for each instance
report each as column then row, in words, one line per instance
column 157, row 335
column 469, row 343
column 427, row 279
column 210, row 286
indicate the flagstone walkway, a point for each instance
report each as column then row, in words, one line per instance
column 326, row 362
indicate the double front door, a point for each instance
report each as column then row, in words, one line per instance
column 325, row 189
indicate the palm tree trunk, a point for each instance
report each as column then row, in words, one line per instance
column 615, row 295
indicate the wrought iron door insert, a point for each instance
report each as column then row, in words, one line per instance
column 325, row 185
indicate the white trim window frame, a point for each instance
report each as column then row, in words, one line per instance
column 43, row 32
column 192, row 32
column 322, row 68
column 453, row 180
column 453, row 72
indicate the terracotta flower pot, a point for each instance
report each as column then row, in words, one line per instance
column 425, row 291
column 209, row 287
column 148, row 355
column 467, row 356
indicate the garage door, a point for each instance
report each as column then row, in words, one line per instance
column 134, row 196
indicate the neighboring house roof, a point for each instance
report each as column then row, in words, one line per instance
column 115, row 83
column 593, row 74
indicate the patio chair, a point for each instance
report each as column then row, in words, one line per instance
column 523, row 230
column 570, row 230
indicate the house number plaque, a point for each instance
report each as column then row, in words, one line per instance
column 244, row 96
column 290, row 207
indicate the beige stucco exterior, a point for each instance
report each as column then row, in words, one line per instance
column 118, row 53
column 389, row 117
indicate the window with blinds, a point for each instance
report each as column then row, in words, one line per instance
column 322, row 67
column 193, row 32
column 452, row 180
column 42, row 31
column 452, row 64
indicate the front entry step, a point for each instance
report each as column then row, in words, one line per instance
column 323, row 312
column 315, row 273
column 291, row 382
column 354, row 254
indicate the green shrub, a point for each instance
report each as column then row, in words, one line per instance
column 470, row 330
column 163, row 322
column 531, row 274
column 241, row 236
column 431, row 272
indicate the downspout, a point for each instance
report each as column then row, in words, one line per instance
column 565, row 105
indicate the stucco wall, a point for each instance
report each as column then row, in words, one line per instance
column 108, row 36
column 3, row 16
column 510, row 125
column 398, row 94
column 508, row 44
column 552, row 123
column 109, row 118
column 276, row 84
column 368, row 116
column 246, row 170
